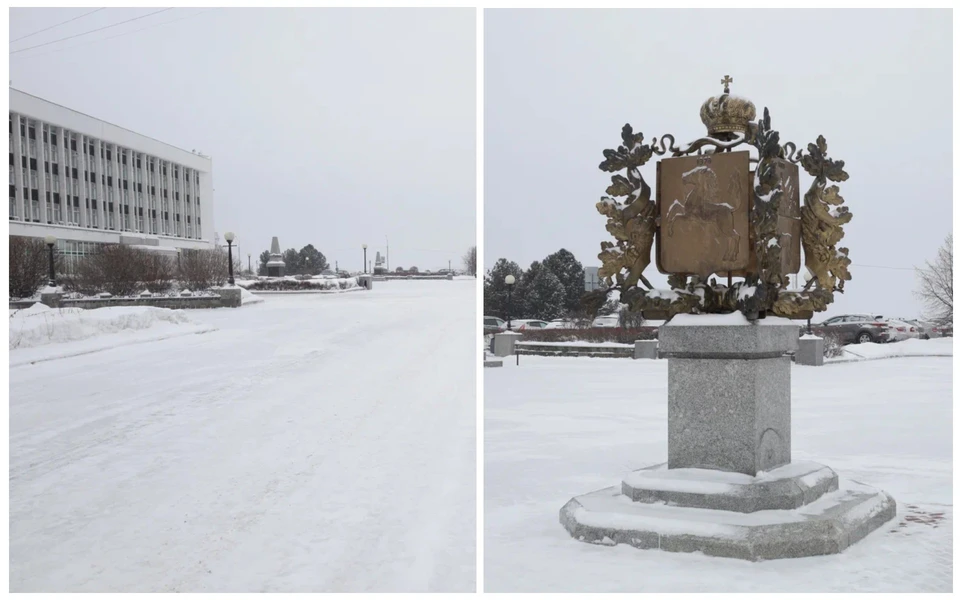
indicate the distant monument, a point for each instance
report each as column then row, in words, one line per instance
column 379, row 267
column 275, row 266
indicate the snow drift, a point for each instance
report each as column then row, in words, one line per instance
column 42, row 333
column 934, row 347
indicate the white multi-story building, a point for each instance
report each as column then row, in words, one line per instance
column 88, row 182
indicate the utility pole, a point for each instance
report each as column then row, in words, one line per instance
column 388, row 253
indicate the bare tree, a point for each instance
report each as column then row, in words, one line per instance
column 114, row 268
column 202, row 269
column 29, row 266
column 936, row 285
column 470, row 261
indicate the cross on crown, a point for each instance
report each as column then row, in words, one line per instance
column 726, row 81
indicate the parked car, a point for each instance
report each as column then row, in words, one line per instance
column 607, row 321
column 561, row 324
column 901, row 329
column 524, row 324
column 493, row 325
column 854, row 329
column 929, row 330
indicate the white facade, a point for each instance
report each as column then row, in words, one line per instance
column 89, row 182
column 591, row 279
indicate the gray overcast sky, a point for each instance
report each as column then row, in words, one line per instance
column 877, row 84
column 335, row 127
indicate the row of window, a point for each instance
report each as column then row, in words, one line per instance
column 190, row 226
column 134, row 222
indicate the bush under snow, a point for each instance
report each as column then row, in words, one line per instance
column 287, row 284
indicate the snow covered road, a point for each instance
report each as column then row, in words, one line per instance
column 311, row 443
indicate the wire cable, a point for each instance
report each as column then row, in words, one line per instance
column 55, row 26
column 118, row 35
column 70, row 37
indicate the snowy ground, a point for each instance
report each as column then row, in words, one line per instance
column 560, row 427
column 310, row 443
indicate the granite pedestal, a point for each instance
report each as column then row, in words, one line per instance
column 53, row 299
column 504, row 344
column 646, row 349
column 231, row 296
column 729, row 487
column 810, row 351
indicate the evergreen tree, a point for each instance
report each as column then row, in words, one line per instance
column 570, row 273
column 495, row 289
column 545, row 296
column 522, row 294
column 291, row 259
column 311, row 261
column 264, row 259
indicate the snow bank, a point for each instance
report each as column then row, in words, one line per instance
column 734, row 318
column 248, row 297
column 43, row 333
column 578, row 344
column 913, row 347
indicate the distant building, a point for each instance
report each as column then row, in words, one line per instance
column 379, row 265
column 591, row 279
column 88, row 183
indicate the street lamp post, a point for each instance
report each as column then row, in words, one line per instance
column 509, row 280
column 230, row 237
column 179, row 268
column 249, row 265
column 364, row 259
column 51, row 240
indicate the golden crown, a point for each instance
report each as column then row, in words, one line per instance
column 726, row 113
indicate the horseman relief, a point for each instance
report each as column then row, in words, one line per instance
column 704, row 214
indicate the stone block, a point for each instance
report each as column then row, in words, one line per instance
column 646, row 349
column 728, row 414
column 504, row 344
column 827, row 526
column 51, row 299
column 230, row 297
column 728, row 395
column 366, row 281
column 810, row 351
column 786, row 488
column 752, row 341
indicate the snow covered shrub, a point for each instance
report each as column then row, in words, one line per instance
column 291, row 285
column 29, row 266
column 591, row 334
column 832, row 348
column 202, row 269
